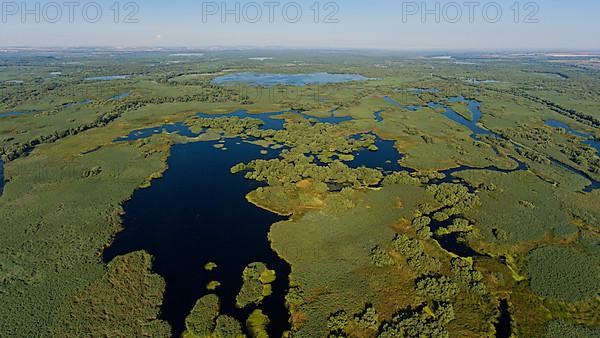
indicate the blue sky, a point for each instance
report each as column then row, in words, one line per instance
column 382, row 24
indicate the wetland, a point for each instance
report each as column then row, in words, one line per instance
column 403, row 203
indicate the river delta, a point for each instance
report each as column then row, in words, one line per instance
column 345, row 195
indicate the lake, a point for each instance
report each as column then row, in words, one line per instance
column 271, row 79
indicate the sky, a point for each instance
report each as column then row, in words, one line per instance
column 373, row 24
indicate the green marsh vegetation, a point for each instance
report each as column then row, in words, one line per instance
column 361, row 243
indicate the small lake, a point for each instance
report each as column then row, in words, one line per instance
column 268, row 79
column 107, row 78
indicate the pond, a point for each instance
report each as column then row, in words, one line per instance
column 272, row 79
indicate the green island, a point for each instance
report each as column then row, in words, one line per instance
column 402, row 202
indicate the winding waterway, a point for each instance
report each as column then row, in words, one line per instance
column 590, row 140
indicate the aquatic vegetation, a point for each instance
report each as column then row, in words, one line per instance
column 436, row 288
column 201, row 321
column 213, row 285
column 561, row 328
column 116, row 304
column 205, row 321
column 468, row 276
column 380, row 257
column 520, row 198
column 337, row 322
column 412, row 250
column 425, row 321
column 257, row 323
column 363, row 243
column 368, row 319
column 291, row 171
column 257, row 279
column 563, row 273
column 210, row 266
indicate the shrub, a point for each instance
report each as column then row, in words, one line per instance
column 439, row 288
column 563, row 273
column 563, row 329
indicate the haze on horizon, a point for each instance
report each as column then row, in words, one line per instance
column 386, row 24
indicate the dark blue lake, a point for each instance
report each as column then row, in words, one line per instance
column 198, row 213
column 267, row 79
